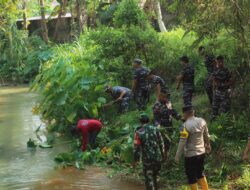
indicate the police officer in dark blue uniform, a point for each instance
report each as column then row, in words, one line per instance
column 140, row 86
column 121, row 95
column 210, row 64
column 222, row 81
column 187, row 78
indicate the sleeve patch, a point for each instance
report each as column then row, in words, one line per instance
column 184, row 134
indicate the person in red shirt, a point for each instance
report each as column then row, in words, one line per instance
column 89, row 129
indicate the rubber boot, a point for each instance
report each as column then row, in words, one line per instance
column 194, row 186
column 203, row 183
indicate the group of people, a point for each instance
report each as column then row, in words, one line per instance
column 151, row 141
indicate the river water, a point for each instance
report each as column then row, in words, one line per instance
column 23, row 169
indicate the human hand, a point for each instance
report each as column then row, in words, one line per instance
column 245, row 157
column 177, row 160
column 208, row 149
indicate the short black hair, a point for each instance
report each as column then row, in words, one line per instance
column 184, row 58
column 220, row 58
column 187, row 108
column 201, row 48
column 144, row 118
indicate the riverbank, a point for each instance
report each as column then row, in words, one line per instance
column 21, row 168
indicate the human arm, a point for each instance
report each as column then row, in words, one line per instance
column 247, row 150
column 176, row 115
column 206, row 137
column 182, row 143
column 123, row 92
column 134, row 85
column 179, row 78
column 161, row 144
column 137, row 148
column 158, row 90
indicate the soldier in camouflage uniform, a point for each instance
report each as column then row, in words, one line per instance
column 222, row 80
column 149, row 144
column 140, row 87
column 163, row 116
column 121, row 95
column 210, row 65
column 160, row 84
column 187, row 78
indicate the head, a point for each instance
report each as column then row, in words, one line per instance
column 184, row 60
column 74, row 130
column 137, row 63
column 144, row 119
column 220, row 61
column 163, row 98
column 188, row 112
column 201, row 51
column 108, row 89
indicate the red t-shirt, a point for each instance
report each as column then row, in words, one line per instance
column 87, row 126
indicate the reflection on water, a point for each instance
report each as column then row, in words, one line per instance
column 26, row 170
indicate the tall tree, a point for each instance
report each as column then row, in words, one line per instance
column 43, row 22
column 62, row 11
column 81, row 12
column 25, row 22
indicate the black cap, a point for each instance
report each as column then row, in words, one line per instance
column 187, row 108
column 138, row 61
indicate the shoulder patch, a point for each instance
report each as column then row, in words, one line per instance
column 184, row 133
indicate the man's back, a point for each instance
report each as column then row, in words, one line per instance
column 188, row 75
column 149, row 138
column 140, row 75
column 197, row 135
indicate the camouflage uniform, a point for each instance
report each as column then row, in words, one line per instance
column 124, row 103
column 188, row 84
column 163, row 116
column 209, row 63
column 142, row 88
column 158, row 80
column 221, row 98
column 149, row 144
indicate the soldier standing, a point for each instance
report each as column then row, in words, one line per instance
column 159, row 83
column 187, row 78
column 121, row 95
column 222, row 80
column 195, row 143
column 163, row 117
column 210, row 65
column 149, row 143
column 140, row 87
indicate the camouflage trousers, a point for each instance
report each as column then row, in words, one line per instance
column 124, row 104
column 151, row 171
column 209, row 90
column 142, row 98
column 221, row 102
column 187, row 95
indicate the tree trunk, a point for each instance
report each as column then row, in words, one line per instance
column 154, row 6
column 81, row 15
column 59, row 19
column 25, row 23
column 43, row 22
column 157, row 9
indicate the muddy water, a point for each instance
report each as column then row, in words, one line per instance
column 35, row 170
